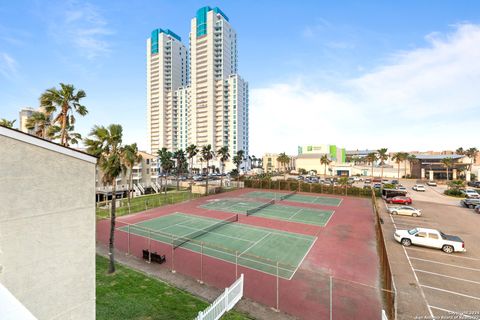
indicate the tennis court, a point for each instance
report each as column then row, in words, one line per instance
column 252, row 247
column 295, row 197
column 271, row 210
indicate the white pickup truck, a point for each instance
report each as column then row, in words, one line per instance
column 430, row 238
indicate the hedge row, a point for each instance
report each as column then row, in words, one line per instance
column 289, row 185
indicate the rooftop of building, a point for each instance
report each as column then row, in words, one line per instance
column 360, row 152
column 46, row 144
column 437, row 156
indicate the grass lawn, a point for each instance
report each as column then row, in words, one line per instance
column 147, row 202
column 129, row 294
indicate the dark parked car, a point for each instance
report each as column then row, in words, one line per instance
column 470, row 202
column 475, row 184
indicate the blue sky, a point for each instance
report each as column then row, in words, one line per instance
column 360, row 74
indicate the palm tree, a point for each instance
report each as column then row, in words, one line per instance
column 166, row 163
column 7, row 123
column 472, row 154
column 411, row 158
column 39, row 122
column 237, row 160
column 382, row 156
column 460, row 151
column 192, row 151
column 284, row 160
column 447, row 162
column 325, row 161
column 130, row 156
column 224, row 156
column 67, row 100
column 106, row 144
column 343, row 181
column 371, row 158
column 179, row 155
column 241, row 156
column 207, row 155
column 55, row 132
column 398, row 158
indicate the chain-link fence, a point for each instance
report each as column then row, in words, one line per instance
column 142, row 203
column 309, row 292
column 290, row 185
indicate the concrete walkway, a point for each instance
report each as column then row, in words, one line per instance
column 203, row 291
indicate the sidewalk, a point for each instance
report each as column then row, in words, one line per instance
column 203, row 291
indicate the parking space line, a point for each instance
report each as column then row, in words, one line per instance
column 413, row 271
column 444, row 275
column 446, row 264
column 418, row 283
column 451, row 292
column 443, row 254
column 454, row 312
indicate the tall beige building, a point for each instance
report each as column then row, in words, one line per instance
column 167, row 64
column 211, row 105
column 23, row 116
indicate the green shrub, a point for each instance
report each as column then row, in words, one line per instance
column 454, row 193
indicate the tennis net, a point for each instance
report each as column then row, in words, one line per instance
column 288, row 195
column 177, row 242
column 253, row 210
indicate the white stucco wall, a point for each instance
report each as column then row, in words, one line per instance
column 47, row 230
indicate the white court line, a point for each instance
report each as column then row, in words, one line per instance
column 446, row 264
column 454, row 312
column 442, row 254
column 301, row 261
column 172, row 225
column 255, row 243
column 451, row 292
column 213, row 232
column 300, row 210
column 418, row 283
column 341, row 200
column 328, row 220
column 443, row 275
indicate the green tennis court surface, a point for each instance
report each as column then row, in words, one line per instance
column 327, row 201
column 315, row 217
column 252, row 247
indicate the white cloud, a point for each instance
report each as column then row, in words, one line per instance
column 8, row 66
column 81, row 25
column 426, row 98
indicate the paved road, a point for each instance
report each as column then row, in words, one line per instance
column 429, row 282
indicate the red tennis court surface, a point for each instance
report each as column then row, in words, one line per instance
column 339, row 275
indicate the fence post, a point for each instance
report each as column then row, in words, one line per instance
column 128, row 239
column 201, row 263
column 331, row 296
column 278, row 307
column 236, row 264
column 173, row 255
column 149, row 246
column 200, row 315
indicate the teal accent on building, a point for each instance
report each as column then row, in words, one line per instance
column 333, row 152
column 220, row 12
column 202, row 19
column 300, row 150
column 154, row 38
column 344, row 155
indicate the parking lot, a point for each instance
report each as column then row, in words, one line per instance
column 430, row 283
